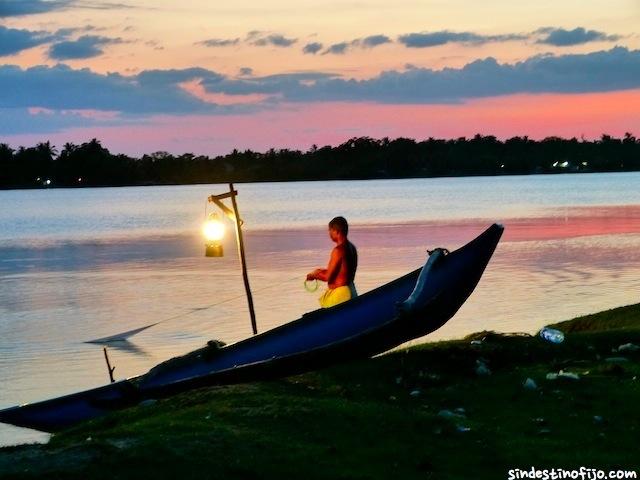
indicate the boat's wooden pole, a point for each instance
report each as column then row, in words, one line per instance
column 243, row 261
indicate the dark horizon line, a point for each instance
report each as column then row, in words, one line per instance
column 475, row 136
column 359, row 158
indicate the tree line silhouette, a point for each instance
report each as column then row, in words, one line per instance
column 91, row 164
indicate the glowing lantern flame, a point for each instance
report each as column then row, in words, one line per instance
column 213, row 229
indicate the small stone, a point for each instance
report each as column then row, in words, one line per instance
column 562, row 374
column 530, row 384
column 628, row 347
column 460, row 410
column 89, row 439
column 461, row 428
column 569, row 375
column 120, row 444
column 482, row 370
column 449, row 414
column 598, row 419
column 616, row 359
column 392, row 398
column 476, row 342
column 415, row 393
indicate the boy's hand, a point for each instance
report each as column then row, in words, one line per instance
column 312, row 275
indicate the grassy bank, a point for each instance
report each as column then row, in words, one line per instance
column 452, row 409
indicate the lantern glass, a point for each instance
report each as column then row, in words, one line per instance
column 213, row 229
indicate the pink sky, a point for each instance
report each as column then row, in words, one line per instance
column 302, row 125
column 597, row 48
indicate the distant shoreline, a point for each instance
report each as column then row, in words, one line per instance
column 92, row 165
column 353, row 179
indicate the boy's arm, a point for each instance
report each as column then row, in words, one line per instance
column 327, row 274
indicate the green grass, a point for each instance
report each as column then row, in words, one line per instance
column 620, row 318
column 361, row 421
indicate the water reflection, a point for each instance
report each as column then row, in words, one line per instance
column 55, row 296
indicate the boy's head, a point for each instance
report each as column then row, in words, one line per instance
column 338, row 227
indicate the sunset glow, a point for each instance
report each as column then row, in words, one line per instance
column 207, row 78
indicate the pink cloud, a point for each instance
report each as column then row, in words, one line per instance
column 84, row 113
column 195, row 88
column 92, row 114
column 40, row 111
column 301, row 125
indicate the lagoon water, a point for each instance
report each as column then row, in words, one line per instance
column 78, row 264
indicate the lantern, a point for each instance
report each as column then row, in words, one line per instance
column 213, row 231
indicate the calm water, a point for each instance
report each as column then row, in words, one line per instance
column 81, row 264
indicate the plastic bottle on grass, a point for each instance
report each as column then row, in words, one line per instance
column 552, row 335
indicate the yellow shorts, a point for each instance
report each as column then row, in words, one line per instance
column 334, row 296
